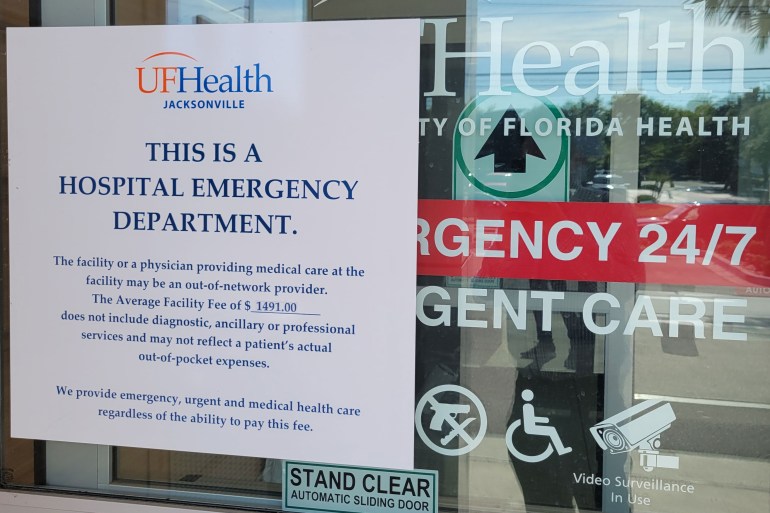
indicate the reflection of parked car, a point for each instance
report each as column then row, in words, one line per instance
column 588, row 193
column 599, row 187
column 607, row 181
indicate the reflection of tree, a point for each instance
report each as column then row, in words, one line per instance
column 704, row 156
column 589, row 153
column 758, row 144
column 752, row 16
column 661, row 156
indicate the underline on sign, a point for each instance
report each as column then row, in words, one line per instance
column 281, row 313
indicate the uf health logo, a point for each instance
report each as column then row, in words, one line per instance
column 177, row 72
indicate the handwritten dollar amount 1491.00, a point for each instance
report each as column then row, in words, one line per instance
column 271, row 306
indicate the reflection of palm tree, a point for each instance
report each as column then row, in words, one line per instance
column 752, row 16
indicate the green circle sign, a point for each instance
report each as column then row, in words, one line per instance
column 477, row 121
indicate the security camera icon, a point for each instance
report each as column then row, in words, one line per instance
column 638, row 427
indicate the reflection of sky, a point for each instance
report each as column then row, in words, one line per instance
column 565, row 24
column 183, row 12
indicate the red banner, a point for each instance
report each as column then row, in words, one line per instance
column 687, row 244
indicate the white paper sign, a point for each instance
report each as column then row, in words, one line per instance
column 212, row 238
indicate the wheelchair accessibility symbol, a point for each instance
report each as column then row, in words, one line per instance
column 534, row 426
column 454, row 428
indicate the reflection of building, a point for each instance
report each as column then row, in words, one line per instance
column 717, row 388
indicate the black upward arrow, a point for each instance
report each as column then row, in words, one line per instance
column 510, row 151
